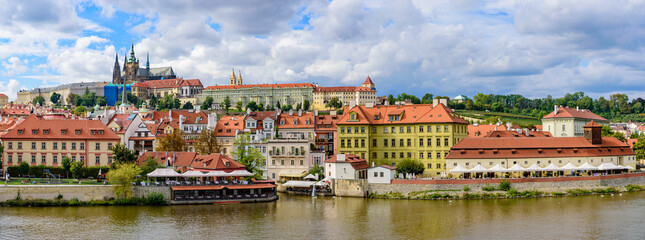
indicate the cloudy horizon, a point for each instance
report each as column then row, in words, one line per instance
column 533, row 48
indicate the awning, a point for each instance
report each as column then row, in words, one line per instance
column 628, row 167
column 459, row 169
column 293, row 173
column 304, row 184
column 497, row 168
column 479, row 168
column 250, row 186
column 189, row 188
column 569, row 167
column 586, row 167
column 516, row 168
column 164, row 172
column 534, row 167
column 194, row 174
column 217, row 173
column 608, row 166
column 240, row 173
column 311, row 176
column 552, row 167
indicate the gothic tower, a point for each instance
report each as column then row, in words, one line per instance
column 239, row 77
column 132, row 66
column 233, row 79
column 116, row 73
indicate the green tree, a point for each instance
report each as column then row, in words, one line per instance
column 637, row 107
column 427, row 98
column 227, row 104
column 176, row 103
column 122, row 177
column 639, row 148
column 278, row 106
column 248, row 156
column 67, row 165
column 606, row 131
column 1, row 153
column 306, row 105
column 188, row 105
column 318, row 169
column 410, row 166
column 54, row 98
column 122, row 155
column 173, row 142
column 260, row 107
column 101, row 101
column 23, row 168
column 39, row 100
column 298, row 106
column 391, row 99
column 620, row 136
column 334, row 103
column 152, row 103
column 238, row 106
column 286, row 107
column 252, row 105
column 207, row 143
column 77, row 169
column 80, row 111
column 149, row 165
column 207, row 104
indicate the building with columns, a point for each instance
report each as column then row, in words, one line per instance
column 363, row 95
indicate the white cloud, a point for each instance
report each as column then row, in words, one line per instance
column 11, row 88
column 14, row 66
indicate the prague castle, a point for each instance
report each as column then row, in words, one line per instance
column 133, row 73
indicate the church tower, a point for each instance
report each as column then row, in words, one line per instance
column 131, row 67
column 369, row 84
column 239, row 77
column 233, row 79
column 116, row 73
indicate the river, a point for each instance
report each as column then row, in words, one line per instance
column 298, row 217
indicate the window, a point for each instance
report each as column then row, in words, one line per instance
column 55, row 159
column 109, row 146
column 438, row 128
column 355, row 142
column 362, row 142
column 384, row 142
column 356, row 130
column 409, row 155
column 438, row 142
column 375, row 174
column 400, row 129
column 342, row 143
column 43, row 158
column 401, row 155
column 445, row 142
column 420, row 129
column 342, row 129
column 393, row 130
column 34, row 132
column 409, row 129
column 292, row 162
column 409, row 142
column 78, row 132
column 82, row 146
column 429, row 165
column 385, row 155
column 373, row 155
column 19, row 145
column 63, row 132
column 373, row 142
column 19, row 158
column 393, row 143
column 438, row 155
column 362, row 129
column 43, row 145
column 45, row 132
column 98, row 159
column 33, row 158
column 82, row 158
column 429, row 129
column 446, row 128
column 363, row 155
column 10, row 146
column 393, row 155
column 373, row 129
column 33, row 145
column 420, row 142
column 384, row 129
column 63, row 145
column 563, row 127
column 20, row 131
column 420, row 155
column 98, row 146
column 73, row 146
column 381, row 174
column 401, row 142
column 349, row 129
column 429, row 154
column 438, row 165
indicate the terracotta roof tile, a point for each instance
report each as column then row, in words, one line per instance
column 53, row 129
column 295, row 121
column 566, row 112
column 227, row 126
column 343, row 89
column 282, row 85
column 368, row 80
column 357, row 162
column 418, row 113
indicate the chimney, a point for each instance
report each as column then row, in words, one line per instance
column 444, row 101
column 248, row 111
column 315, row 112
column 290, row 112
column 435, row 102
column 340, row 157
column 352, row 104
column 299, row 112
column 555, row 110
column 593, row 132
column 170, row 114
column 577, row 109
column 332, row 113
column 181, row 122
column 369, row 105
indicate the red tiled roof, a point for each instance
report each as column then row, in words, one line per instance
column 418, row 113
column 326, row 122
column 566, row 112
column 538, row 147
column 2, row 95
column 227, row 125
column 281, row 85
column 182, row 159
column 262, row 115
column 216, row 161
column 368, row 80
column 300, row 121
column 482, row 130
column 193, row 117
column 192, row 82
column 54, row 129
column 121, row 120
column 169, row 83
column 14, row 112
column 357, row 162
column 343, row 89
column 498, row 134
column 592, row 124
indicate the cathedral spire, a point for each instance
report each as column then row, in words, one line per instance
column 116, row 73
column 233, row 78
column 148, row 61
column 125, row 60
column 239, row 77
column 132, row 57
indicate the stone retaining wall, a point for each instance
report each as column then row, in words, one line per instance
column 142, row 192
column 561, row 184
column 349, row 187
column 80, row 192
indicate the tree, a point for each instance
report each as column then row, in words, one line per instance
column 207, row 143
column 248, row 156
column 298, row 106
column 173, row 142
column 317, row 169
column 207, row 104
column 227, row 104
column 286, row 107
column 188, row 105
column 606, row 131
column 306, row 105
column 101, row 101
column 427, row 98
column 152, row 102
column 277, row 105
column 252, row 105
column 54, row 98
column 639, row 148
column 260, row 107
column 391, row 99
column 122, row 155
column 149, row 165
column 410, row 166
column 1, row 153
column 620, row 136
column 77, row 169
column 39, row 100
column 67, row 165
column 176, row 103
column 122, row 177
column 23, row 168
column 334, row 103
column 80, row 111
column 238, row 106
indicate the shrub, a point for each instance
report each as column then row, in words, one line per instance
column 557, row 194
column 155, row 198
column 504, row 185
column 466, row 188
column 59, row 197
column 488, row 188
column 511, row 193
column 632, row 187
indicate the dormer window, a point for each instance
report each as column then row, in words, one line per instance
column 100, row 132
column 34, row 131
column 78, row 132
column 46, row 131
column 93, row 132
column 295, row 122
column 307, row 122
column 63, row 131
column 20, row 131
column 228, row 164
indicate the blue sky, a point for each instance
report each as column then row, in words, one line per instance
column 534, row 48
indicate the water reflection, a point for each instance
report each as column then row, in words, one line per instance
column 291, row 217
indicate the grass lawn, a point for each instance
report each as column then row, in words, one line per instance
column 25, row 181
column 506, row 117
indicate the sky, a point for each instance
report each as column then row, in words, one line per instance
column 533, row 48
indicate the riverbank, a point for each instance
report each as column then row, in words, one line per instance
column 154, row 199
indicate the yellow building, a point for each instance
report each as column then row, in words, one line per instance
column 363, row 95
column 4, row 99
column 46, row 142
column 389, row 134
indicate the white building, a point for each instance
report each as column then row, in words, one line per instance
column 381, row 174
column 346, row 166
column 569, row 122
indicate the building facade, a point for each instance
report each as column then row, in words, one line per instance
column 569, row 122
column 4, row 99
column 389, row 134
column 27, row 96
column 265, row 94
column 177, row 88
column 46, row 142
column 363, row 95
column 132, row 72
column 288, row 158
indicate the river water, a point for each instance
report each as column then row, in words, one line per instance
column 298, row 217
